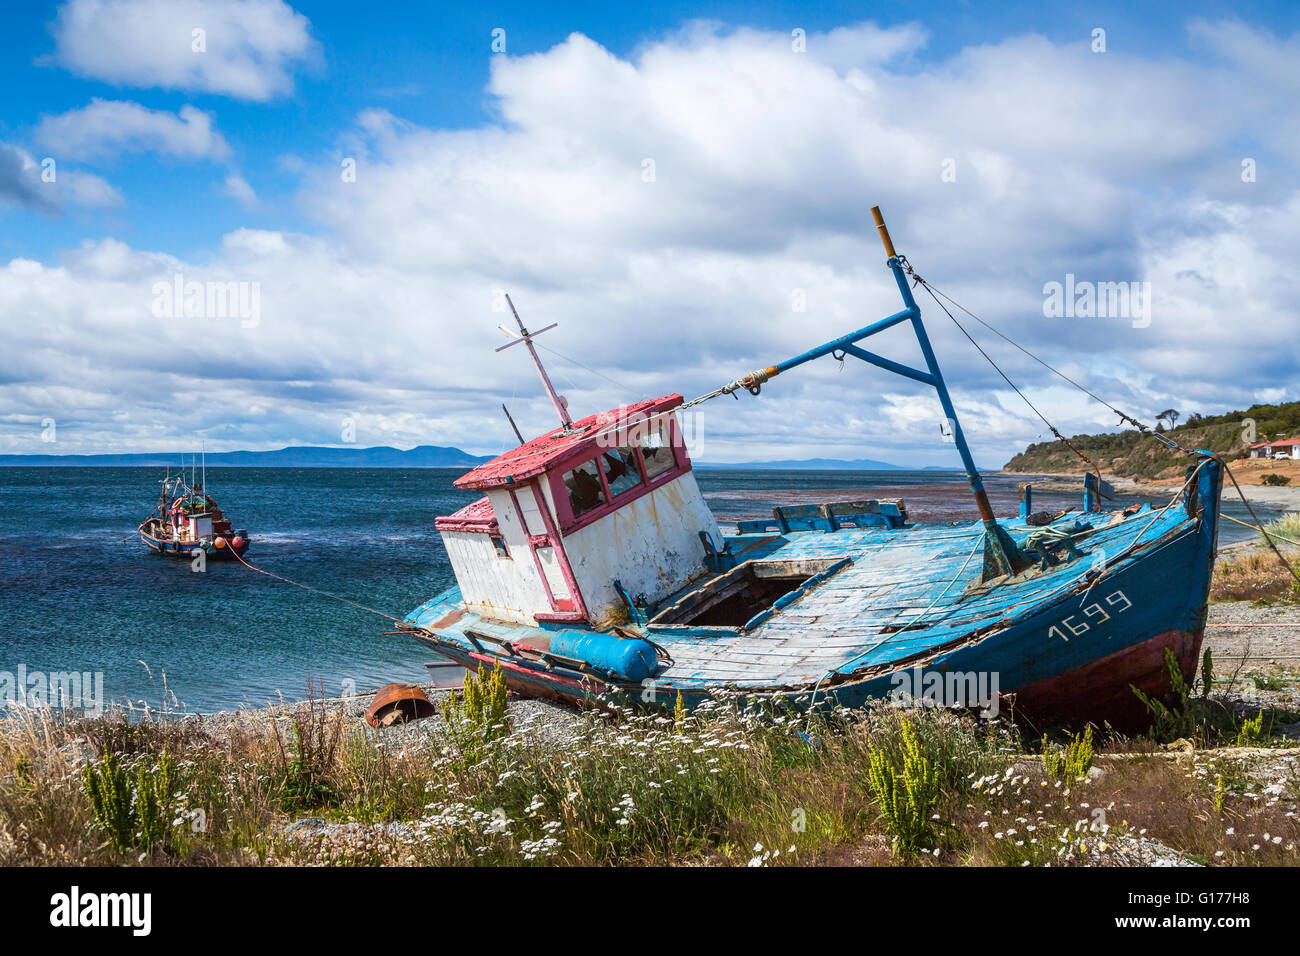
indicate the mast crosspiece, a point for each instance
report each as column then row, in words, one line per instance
column 527, row 338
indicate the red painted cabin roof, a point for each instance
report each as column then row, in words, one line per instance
column 1275, row 444
column 539, row 455
column 475, row 516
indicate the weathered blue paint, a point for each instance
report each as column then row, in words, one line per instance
column 837, row 345
column 828, row 517
column 1095, row 488
column 897, row 368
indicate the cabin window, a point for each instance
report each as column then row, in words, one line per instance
column 622, row 473
column 499, row 543
column 657, row 455
column 649, row 454
column 584, row 487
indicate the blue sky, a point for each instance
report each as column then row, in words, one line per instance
column 483, row 170
column 428, row 63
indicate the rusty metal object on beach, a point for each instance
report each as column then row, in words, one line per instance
column 398, row 704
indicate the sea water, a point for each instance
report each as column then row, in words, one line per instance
column 80, row 593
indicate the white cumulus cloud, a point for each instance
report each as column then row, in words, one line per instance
column 247, row 49
column 105, row 129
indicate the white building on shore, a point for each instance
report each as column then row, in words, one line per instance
column 1289, row 447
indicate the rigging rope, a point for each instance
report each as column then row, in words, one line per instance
column 1252, row 527
column 1124, row 416
column 612, row 381
column 307, row 587
column 1059, row 437
column 732, row 387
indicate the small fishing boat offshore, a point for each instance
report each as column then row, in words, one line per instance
column 187, row 520
column 592, row 566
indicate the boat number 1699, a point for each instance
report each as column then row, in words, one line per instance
column 1077, row 624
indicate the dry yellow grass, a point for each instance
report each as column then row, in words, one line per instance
column 1252, row 470
column 1251, row 575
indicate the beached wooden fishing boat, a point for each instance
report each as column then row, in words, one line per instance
column 187, row 520
column 592, row 565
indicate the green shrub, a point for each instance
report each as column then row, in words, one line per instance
column 155, row 800
column 1072, row 762
column 1251, row 730
column 136, row 817
column 906, row 789
column 1209, row 720
column 1275, row 479
column 478, row 715
column 1175, row 719
column 107, row 786
column 959, row 749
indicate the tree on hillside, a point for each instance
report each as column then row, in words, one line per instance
column 1171, row 414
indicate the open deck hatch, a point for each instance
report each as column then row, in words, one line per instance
column 732, row 599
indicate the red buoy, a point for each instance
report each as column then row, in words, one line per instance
column 237, row 543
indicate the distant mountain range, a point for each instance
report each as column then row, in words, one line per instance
column 302, row 456
column 383, row 456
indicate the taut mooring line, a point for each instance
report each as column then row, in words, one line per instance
column 307, row 587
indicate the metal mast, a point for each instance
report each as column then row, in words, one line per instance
column 1001, row 556
column 527, row 338
column 998, row 543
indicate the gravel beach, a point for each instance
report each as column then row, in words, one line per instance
column 1244, row 640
